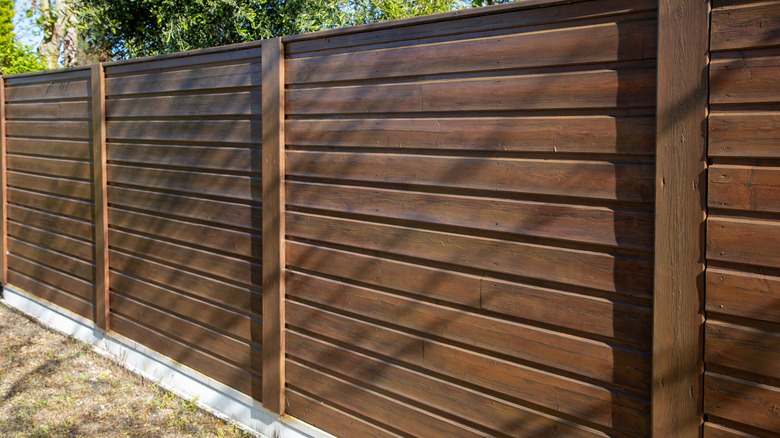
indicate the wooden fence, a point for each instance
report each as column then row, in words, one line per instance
column 482, row 223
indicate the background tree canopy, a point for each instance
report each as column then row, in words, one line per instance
column 83, row 31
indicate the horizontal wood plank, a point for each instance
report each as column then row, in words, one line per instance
column 752, row 25
column 490, row 412
column 596, row 225
column 203, row 77
column 190, row 59
column 742, row 401
column 747, row 241
column 49, row 91
column 51, row 241
column 567, row 45
column 564, row 134
column 202, row 157
column 190, row 259
column 592, row 179
column 239, row 243
column 714, row 430
column 749, row 134
column 51, row 167
column 51, row 222
column 581, row 268
column 186, row 282
column 743, row 294
column 51, row 204
column 51, row 147
column 744, row 188
column 51, row 294
column 596, row 360
column 56, row 279
column 56, row 186
column 49, row 76
column 743, row 348
column 50, row 129
column 583, row 89
column 50, row 110
column 216, row 212
column 43, row 256
column 737, row 78
column 203, row 131
column 222, row 104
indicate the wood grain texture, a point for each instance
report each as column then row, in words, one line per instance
column 54, row 129
column 49, row 91
column 51, row 241
column 59, row 280
column 742, row 401
column 54, row 223
column 714, row 430
column 215, row 159
column 743, row 294
column 77, row 268
column 683, row 45
column 746, row 241
column 81, row 190
column 79, row 109
column 199, row 105
column 51, row 148
column 51, row 167
column 752, row 134
column 51, row 294
column 737, row 77
column 752, row 188
column 241, row 188
column 743, row 348
column 273, row 226
column 3, row 187
column 208, row 131
column 746, row 26
column 203, row 77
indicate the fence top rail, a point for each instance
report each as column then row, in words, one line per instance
column 444, row 16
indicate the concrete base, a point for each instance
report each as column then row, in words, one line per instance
column 213, row 396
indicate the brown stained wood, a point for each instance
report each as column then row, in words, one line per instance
column 745, row 78
column 744, row 188
column 233, row 53
column 680, row 212
column 593, row 179
column 50, row 147
column 273, row 226
column 49, row 91
column 199, row 337
column 100, row 182
column 51, row 294
column 51, row 241
column 747, row 241
column 3, row 187
column 417, row 279
column 527, row 13
column 242, row 244
column 746, row 27
column 201, row 312
column 565, row 134
column 742, row 401
column 49, row 129
column 229, row 213
column 750, row 134
column 742, row 348
column 51, row 204
column 185, row 282
column 211, row 366
column 207, row 131
column 331, row 418
column 50, row 110
column 568, row 45
column 77, row 268
column 596, row 360
column 217, row 159
column 595, row 225
column 714, row 430
column 199, row 105
column 49, row 76
column 56, row 279
column 55, row 186
column 51, row 222
column 581, row 268
column 50, row 167
column 743, row 294
column 203, row 77
column 378, row 407
column 624, row 321
column 582, row 89
column 187, row 258
column 242, row 188
column 490, row 412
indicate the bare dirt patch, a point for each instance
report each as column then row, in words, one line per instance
column 54, row 386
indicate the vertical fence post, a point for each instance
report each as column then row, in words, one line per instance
column 101, row 198
column 3, row 192
column 273, row 225
column 680, row 213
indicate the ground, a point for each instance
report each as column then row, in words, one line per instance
column 54, row 386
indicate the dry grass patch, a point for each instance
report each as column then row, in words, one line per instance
column 54, row 386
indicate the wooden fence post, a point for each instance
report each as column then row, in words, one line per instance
column 101, row 196
column 3, row 192
column 273, row 225
column 680, row 213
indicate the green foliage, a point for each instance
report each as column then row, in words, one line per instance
column 14, row 56
column 478, row 3
column 369, row 11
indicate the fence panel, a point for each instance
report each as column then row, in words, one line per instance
column 742, row 333
column 470, row 224
column 50, row 194
column 184, row 166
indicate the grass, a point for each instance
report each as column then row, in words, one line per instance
column 55, row 386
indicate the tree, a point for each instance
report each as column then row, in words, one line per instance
column 60, row 32
column 14, row 56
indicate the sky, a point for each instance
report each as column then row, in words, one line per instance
column 25, row 29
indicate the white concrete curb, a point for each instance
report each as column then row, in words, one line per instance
column 213, row 396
